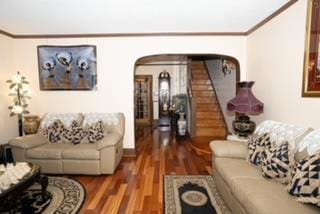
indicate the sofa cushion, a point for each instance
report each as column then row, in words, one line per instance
column 231, row 168
column 305, row 183
column 256, row 145
column 255, row 193
column 277, row 163
column 267, row 197
column 83, row 151
column 48, row 151
column 75, row 134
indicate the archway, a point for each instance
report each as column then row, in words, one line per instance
column 223, row 71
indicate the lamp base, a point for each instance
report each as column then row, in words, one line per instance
column 243, row 126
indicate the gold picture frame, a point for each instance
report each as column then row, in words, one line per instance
column 311, row 70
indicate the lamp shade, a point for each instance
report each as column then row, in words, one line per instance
column 245, row 102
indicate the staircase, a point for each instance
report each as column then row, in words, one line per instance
column 209, row 118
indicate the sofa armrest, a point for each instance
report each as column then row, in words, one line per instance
column 110, row 140
column 229, row 149
column 28, row 141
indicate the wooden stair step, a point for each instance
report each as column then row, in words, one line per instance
column 201, row 82
column 198, row 93
column 205, row 100
column 211, row 132
column 199, row 72
column 195, row 63
column 212, row 106
column 202, row 87
column 209, row 115
column 201, row 77
column 209, row 122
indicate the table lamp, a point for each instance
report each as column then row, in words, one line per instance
column 245, row 103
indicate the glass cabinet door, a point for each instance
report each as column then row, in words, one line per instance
column 143, row 100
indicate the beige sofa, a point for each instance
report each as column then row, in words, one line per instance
column 102, row 157
column 241, row 184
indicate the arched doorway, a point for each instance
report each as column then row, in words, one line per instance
column 204, row 81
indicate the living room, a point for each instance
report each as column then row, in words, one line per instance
column 268, row 41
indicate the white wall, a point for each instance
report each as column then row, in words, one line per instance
column 225, row 87
column 116, row 59
column 8, row 125
column 275, row 62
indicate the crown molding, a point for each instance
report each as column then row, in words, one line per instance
column 96, row 35
column 158, row 34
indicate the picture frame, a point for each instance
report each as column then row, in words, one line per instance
column 311, row 70
column 67, row 67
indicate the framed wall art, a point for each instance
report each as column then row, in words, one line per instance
column 311, row 73
column 67, row 67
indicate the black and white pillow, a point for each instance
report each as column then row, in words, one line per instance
column 54, row 133
column 277, row 163
column 305, row 183
column 95, row 132
column 256, row 145
column 75, row 134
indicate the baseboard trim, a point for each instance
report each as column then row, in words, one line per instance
column 129, row 153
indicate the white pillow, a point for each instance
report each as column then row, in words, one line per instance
column 311, row 142
column 107, row 118
column 65, row 118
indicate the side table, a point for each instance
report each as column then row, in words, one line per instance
column 237, row 138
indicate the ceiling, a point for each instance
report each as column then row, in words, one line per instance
column 20, row 17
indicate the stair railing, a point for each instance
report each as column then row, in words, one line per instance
column 192, row 104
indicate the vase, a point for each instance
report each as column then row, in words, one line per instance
column 31, row 124
column 182, row 125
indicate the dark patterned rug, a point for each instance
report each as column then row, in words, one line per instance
column 65, row 196
column 194, row 194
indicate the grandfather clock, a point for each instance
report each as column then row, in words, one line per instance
column 164, row 101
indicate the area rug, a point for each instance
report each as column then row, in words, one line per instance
column 64, row 196
column 192, row 194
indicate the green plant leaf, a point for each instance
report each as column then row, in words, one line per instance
column 25, row 82
column 23, row 78
column 24, row 105
column 10, row 107
column 12, row 114
column 26, row 112
column 9, row 81
column 12, row 85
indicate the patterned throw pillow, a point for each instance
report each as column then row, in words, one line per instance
column 95, row 132
column 54, row 132
column 256, row 145
column 305, row 183
column 75, row 134
column 277, row 162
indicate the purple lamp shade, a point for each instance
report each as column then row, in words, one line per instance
column 245, row 102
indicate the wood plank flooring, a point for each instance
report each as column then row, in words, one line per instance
column 137, row 185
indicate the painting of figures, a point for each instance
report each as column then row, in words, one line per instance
column 67, row 67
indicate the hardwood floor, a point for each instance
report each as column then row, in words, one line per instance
column 137, row 185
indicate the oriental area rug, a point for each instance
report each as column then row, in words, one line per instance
column 64, row 196
column 192, row 194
